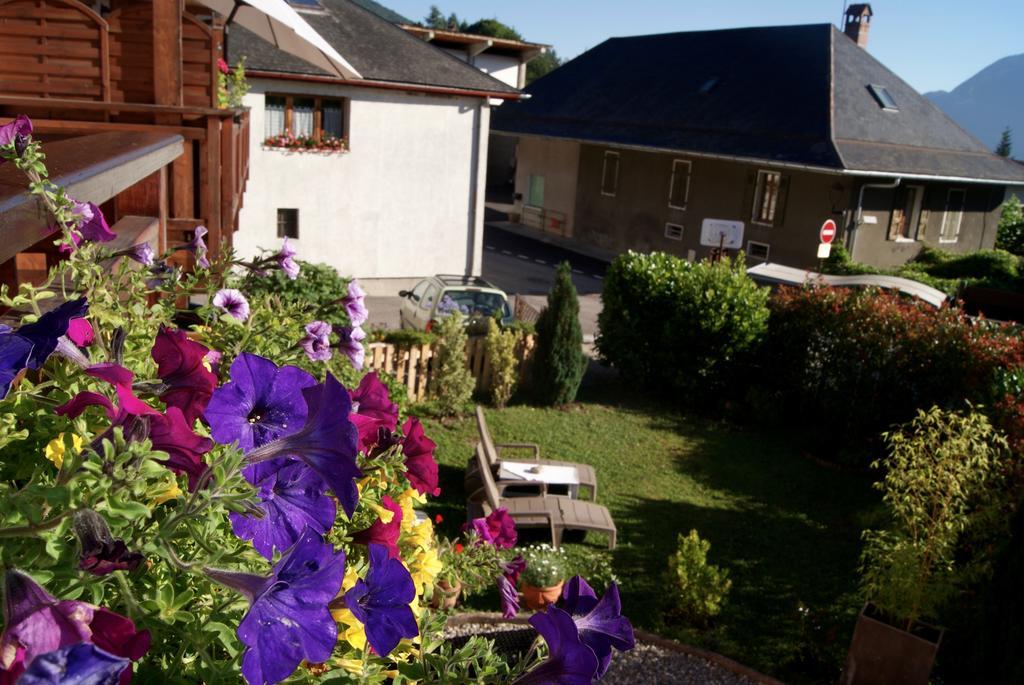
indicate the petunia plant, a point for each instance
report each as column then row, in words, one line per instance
column 220, row 491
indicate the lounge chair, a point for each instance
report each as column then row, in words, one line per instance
column 494, row 453
column 556, row 513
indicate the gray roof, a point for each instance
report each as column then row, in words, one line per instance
column 789, row 94
column 378, row 49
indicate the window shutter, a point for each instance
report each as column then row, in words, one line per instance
column 780, row 205
column 748, row 195
column 895, row 222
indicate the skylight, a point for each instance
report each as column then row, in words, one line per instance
column 885, row 100
column 708, row 85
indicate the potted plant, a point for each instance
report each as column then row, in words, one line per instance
column 466, row 568
column 939, row 470
column 542, row 580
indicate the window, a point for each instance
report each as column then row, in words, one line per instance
column 288, row 223
column 305, row 117
column 679, row 184
column 954, row 214
column 906, row 214
column 673, row 231
column 428, row 299
column 610, row 174
column 766, row 197
column 758, row 250
column 535, row 193
column 417, row 292
column 883, row 98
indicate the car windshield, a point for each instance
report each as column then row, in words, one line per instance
column 472, row 303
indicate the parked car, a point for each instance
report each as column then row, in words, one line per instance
column 436, row 297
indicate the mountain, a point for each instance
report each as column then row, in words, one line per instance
column 988, row 102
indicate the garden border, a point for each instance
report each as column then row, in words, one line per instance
column 643, row 636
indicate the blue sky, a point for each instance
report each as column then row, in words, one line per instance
column 933, row 45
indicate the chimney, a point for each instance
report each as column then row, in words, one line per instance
column 857, row 22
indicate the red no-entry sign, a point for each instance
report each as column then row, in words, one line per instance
column 828, row 231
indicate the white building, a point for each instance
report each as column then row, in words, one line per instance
column 403, row 198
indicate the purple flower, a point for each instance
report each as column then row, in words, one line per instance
column 351, row 343
column 317, row 342
column 142, row 253
column 372, row 409
column 569, row 662
column 326, row 443
column 496, row 529
column 447, row 306
column 44, row 333
column 355, row 305
column 259, row 404
column 381, row 602
column 179, row 364
column 286, row 262
column 20, row 126
column 100, row 553
column 92, row 224
column 197, row 246
column 35, row 622
column 80, row 664
column 14, row 354
column 507, row 581
column 233, row 302
column 293, row 500
column 385, row 534
column 420, row 467
column 600, row 622
column 288, row 619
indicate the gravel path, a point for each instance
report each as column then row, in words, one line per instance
column 644, row 664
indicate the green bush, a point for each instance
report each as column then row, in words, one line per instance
column 941, row 468
column 403, row 337
column 1010, row 234
column 677, row 326
column 452, row 383
column 318, row 287
column 594, row 565
column 698, row 588
column 558, row 360
column 501, row 348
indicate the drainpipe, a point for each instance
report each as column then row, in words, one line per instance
column 858, row 216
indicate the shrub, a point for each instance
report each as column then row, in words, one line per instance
column 452, row 383
column 940, row 469
column 318, row 287
column 698, row 588
column 558, row 360
column 593, row 564
column 677, row 326
column 501, row 354
column 403, row 337
column 1010, row 234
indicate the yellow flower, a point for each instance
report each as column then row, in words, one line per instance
column 353, row 666
column 56, row 448
column 165, row 492
column 421, row 534
column 425, row 568
column 353, row 631
column 408, row 501
column 385, row 514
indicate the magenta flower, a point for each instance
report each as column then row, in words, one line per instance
column 179, row 364
column 288, row 620
column 496, row 529
column 99, row 552
column 507, row 582
column 317, row 342
column 600, row 622
column 381, row 602
column 384, row 534
column 36, row 623
column 326, row 443
column 420, row 467
column 171, row 433
column 222, row 66
column 80, row 664
column 122, row 379
column 351, row 343
column 19, row 126
column 233, row 302
column 80, row 332
column 293, row 499
column 355, row 305
column 372, row 409
column 285, row 260
column 569, row 662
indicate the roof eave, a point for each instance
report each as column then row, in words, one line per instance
column 387, row 85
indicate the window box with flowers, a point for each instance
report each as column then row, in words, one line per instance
column 306, row 124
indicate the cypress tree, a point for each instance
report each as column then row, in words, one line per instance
column 558, row 361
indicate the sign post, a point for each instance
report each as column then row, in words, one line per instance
column 827, row 234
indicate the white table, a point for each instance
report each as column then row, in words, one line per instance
column 550, row 474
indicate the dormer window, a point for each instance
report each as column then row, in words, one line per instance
column 884, row 99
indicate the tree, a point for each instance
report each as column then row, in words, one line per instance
column 558, row 361
column 1010, row 234
column 435, row 20
column 492, row 28
column 452, row 382
column 542, row 65
column 1005, row 146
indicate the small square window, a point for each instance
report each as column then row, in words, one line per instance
column 884, row 99
column 673, row 231
column 758, row 251
column 288, row 223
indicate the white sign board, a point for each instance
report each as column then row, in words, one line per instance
column 824, row 250
column 720, row 232
column 868, row 219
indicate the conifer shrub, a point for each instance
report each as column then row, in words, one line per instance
column 452, row 382
column 501, row 348
column 558, row 361
column 698, row 588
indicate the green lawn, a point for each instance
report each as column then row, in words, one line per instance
column 786, row 528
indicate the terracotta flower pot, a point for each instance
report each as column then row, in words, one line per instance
column 884, row 653
column 537, row 598
column 446, row 596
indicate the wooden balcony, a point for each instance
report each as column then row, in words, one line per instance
column 93, row 84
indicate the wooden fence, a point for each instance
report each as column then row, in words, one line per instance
column 413, row 366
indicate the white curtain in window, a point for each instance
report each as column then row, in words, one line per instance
column 274, row 117
column 302, row 118
column 332, row 119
